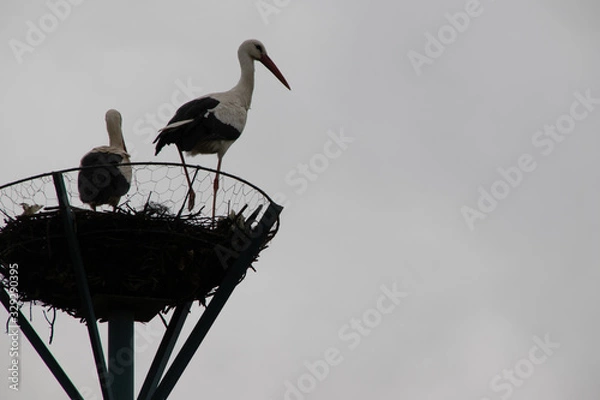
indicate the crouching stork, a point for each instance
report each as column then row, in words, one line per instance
column 106, row 180
column 210, row 124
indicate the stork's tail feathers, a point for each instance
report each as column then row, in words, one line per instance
column 161, row 139
column 166, row 135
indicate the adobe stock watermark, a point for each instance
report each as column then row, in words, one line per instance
column 504, row 384
column 303, row 174
column 37, row 32
column 435, row 45
column 270, row 7
column 351, row 334
column 543, row 140
column 14, row 332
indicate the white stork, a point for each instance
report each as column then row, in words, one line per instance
column 109, row 181
column 211, row 123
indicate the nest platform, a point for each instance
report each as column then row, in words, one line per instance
column 148, row 255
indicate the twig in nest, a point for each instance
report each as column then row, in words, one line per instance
column 253, row 216
column 164, row 321
column 7, row 216
column 129, row 208
column 147, row 205
column 51, row 323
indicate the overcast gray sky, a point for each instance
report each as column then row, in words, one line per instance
column 433, row 128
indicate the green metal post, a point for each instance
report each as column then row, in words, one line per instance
column 120, row 353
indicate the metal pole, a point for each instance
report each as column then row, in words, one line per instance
column 215, row 306
column 164, row 351
column 120, row 353
column 42, row 350
column 82, row 285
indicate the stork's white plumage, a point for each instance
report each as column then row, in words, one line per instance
column 210, row 124
column 108, row 181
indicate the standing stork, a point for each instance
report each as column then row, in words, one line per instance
column 108, row 181
column 211, row 123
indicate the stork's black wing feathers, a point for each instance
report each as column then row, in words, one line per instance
column 194, row 109
column 204, row 127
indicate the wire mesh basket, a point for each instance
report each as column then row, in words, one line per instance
column 149, row 253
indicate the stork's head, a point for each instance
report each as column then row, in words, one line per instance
column 257, row 51
column 113, row 117
column 113, row 126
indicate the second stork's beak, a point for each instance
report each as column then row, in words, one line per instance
column 267, row 62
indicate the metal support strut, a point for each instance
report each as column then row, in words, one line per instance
column 40, row 348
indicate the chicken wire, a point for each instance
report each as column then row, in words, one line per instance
column 162, row 186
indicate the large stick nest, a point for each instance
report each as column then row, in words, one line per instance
column 153, row 258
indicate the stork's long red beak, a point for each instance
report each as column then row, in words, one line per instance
column 267, row 62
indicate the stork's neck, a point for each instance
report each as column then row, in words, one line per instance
column 245, row 86
column 115, row 135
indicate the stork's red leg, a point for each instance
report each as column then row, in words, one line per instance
column 192, row 198
column 216, row 187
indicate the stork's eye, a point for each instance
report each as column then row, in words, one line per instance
column 259, row 47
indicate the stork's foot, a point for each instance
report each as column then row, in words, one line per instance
column 191, row 199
